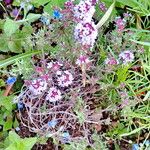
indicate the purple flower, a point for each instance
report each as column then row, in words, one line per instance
column 54, row 66
column 53, row 95
column 15, row 12
column 65, row 78
column 82, row 60
column 120, row 24
column 126, row 56
column 111, row 61
column 102, row 7
column 7, row 2
column 11, row 80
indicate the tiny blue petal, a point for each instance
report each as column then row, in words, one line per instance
column 57, row 14
column 17, row 129
column 52, row 123
column 135, row 147
column 11, row 80
column 66, row 135
column 20, row 105
column 45, row 20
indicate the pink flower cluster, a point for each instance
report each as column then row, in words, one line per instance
column 85, row 31
column 126, row 57
column 54, row 95
column 111, row 61
column 84, row 10
column 45, row 83
column 83, row 59
column 38, row 86
column 120, row 24
column 54, row 65
column 65, row 78
column 102, row 6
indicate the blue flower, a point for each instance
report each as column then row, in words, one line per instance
column 20, row 105
column 52, row 123
column 11, row 80
column 57, row 14
column 135, row 147
column 147, row 143
column 66, row 137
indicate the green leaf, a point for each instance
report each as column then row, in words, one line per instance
column 10, row 27
column 30, row 18
column 106, row 16
column 140, row 42
column 29, row 143
column 11, row 147
column 6, row 102
column 11, row 60
column 8, row 124
column 2, row 83
column 49, row 7
column 14, row 137
column 14, row 46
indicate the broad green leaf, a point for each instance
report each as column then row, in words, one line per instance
column 14, row 137
column 11, row 147
column 11, row 60
column 106, row 16
column 10, row 27
column 29, row 142
column 8, row 124
column 14, row 46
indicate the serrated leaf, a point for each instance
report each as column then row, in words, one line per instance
column 10, row 27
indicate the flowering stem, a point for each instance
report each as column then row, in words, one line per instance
column 8, row 89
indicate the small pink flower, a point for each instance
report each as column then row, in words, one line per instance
column 68, row 4
column 120, row 24
column 39, row 69
column 126, row 56
column 111, row 61
column 37, row 86
column 53, row 95
column 86, row 33
column 54, row 65
column 102, row 7
column 82, row 60
column 65, row 78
